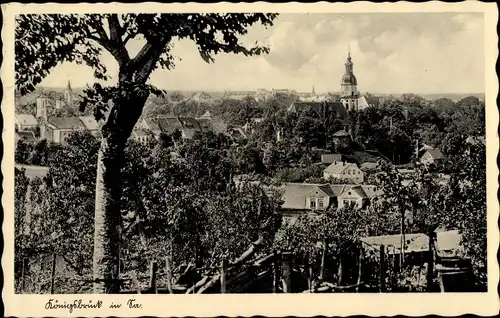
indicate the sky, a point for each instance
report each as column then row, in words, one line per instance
column 422, row 53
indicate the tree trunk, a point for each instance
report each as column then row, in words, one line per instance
column 107, row 214
column 122, row 118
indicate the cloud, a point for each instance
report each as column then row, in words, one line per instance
column 392, row 52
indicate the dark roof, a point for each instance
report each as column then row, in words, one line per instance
column 331, row 158
column 349, row 79
column 295, row 194
column 169, row 124
column 319, row 107
column 152, row 124
column 435, row 153
column 33, row 171
column 66, row 122
column 341, row 133
column 28, row 136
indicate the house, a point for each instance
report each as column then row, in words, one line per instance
column 358, row 196
column 330, row 158
column 344, row 171
column 150, row 124
column 206, row 115
column 342, row 139
column 446, row 243
column 57, row 129
column 236, row 134
column 431, row 156
column 239, row 95
column 141, row 135
column 300, row 198
column 32, row 172
column 90, row 124
column 323, row 109
column 249, row 127
column 47, row 102
column 26, row 136
column 474, row 140
column 201, row 97
column 369, row 166
column 26, row 122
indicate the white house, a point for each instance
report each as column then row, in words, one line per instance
column 57, row 129
column 26, row 122
column 344, row 171
column 431, row 156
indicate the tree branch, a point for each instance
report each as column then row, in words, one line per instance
column 115, row 29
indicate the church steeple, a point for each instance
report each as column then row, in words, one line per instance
column 349, row 82
column 68, row 94
column 313, row 91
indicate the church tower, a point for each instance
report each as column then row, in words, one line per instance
column 68, row 94
column 349, row 85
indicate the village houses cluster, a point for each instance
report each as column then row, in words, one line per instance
column 348, row 189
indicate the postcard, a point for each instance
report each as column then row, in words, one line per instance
column 250, row 159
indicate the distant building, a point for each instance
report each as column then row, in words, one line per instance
column 350, row 96
column 249, row 127
column 330, row 158
column 47, row 103
column 342, row 139
column 474, row 140
column 239, row 95
column 57, row 129
column 188, row 127
column 323, row 109
column 431, row 156
column 90, row 124
column 344, row 171
column 300, row 198
column 26, row 136
column 369, row 166
column 141, row 135
column 201, row 97
column 26, row 122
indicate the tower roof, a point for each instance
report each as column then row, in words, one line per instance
column 349, row 79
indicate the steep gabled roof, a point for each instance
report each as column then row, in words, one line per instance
column 27, row 136
column 33, row 171
column 66, row 122
column 152, row 124
column 338, row 167
column 27, row 119
column 89, row 122
column 295, row 194
column 435, row 153
column 331, row 158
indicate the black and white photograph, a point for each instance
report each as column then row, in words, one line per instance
column 252, row 152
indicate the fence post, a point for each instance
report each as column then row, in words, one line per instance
column 360, row 267
column 223, row 275
column 53, row 273
column 311, row 280
column 430, row 262
column 323, row 258
column 23, row 273
column 275, row 272
column 287, row 272
column 340, row 271
column 382, row 269
column 169, row 274
column 152, row 277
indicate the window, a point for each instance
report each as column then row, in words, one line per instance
column 313, row 204
column 320, row 203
